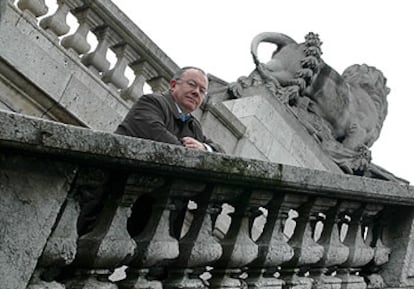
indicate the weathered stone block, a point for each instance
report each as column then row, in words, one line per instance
column 276, row 135
column 32, row 193
column 90, row 107
column 34, row 61
column 217, row 131
column 247, row 149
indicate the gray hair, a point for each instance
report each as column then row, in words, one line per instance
column 177, row 75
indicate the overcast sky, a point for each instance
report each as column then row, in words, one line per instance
column 215, row 35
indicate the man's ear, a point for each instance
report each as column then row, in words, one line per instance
column 173, row 83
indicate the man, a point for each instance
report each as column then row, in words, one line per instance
column 167, row 117
column 162, row 117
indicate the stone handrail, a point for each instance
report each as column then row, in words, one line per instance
column 78, row 203
column 115, row 31
column 75, row 69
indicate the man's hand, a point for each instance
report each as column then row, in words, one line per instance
column 192, row 143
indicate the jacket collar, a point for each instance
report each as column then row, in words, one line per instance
column 174, row 106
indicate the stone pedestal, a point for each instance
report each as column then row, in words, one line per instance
column 269, row 131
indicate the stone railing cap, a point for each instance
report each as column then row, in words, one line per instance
column 91, row 147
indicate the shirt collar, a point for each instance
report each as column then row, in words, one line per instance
column 184, row 116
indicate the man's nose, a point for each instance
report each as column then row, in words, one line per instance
column 197, row 90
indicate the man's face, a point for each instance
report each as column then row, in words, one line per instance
column 189, row 90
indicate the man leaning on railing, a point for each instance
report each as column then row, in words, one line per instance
column 162, row 117
column 167, row 117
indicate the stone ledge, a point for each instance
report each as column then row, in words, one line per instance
column 86, row 146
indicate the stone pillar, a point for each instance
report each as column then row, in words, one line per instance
column 78, row 42
column 156, row 246
column 198, row 247
column 307, row 251
column 273, row 247
column 108, row 245
column 96, row 61
column 56, row 23
column 360, row 253
column 143, row 71
column 335, row 252
column 116, row 76
column 238, row 247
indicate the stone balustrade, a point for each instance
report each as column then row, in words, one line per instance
column 78, row 203
column 87, row 56
column 113, row 31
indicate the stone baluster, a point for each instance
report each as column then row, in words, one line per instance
column 335, row 252
column 198, row 248
column 143, row 71
column 96, row 60
column 181, row 192
column 307, row 250
column 238, row 247
column 159, row 84
column 35, row 8
column 77, row 42
column 156, row 244
column 360, row 253
column 109, row 244
column 377, row 227
column 56, row 24
column 273, row 247
column 116, row 76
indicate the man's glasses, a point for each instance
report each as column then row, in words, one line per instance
column 194, row 85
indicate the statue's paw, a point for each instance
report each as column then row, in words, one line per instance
column 256, row 80
column 346, row 167
column 305, row 74
column 293, row 93
column 234, row 89
column 243, row 81
column 301, row 83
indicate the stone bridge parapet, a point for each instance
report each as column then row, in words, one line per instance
column 179, row 218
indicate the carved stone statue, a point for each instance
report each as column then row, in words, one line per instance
column 344, row 112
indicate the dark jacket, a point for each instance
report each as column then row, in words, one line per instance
column 156, row 117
